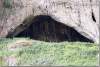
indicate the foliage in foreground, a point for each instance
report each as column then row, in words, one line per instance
column 46, row 53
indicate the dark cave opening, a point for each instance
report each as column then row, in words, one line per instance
column 49, row 30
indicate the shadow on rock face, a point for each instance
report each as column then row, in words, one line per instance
column 47, row 29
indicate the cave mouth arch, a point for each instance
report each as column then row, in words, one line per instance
column 49, row 30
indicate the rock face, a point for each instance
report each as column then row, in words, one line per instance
column 83, row 16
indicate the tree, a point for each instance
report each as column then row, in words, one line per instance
column 82, row 15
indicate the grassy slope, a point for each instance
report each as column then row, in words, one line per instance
column 44, row 53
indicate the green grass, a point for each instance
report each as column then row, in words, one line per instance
column 46, row 53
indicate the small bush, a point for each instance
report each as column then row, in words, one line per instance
column 7, row 3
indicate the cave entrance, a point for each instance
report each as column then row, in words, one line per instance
column 49, row 30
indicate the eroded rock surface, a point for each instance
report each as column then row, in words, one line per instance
column 82, row 15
